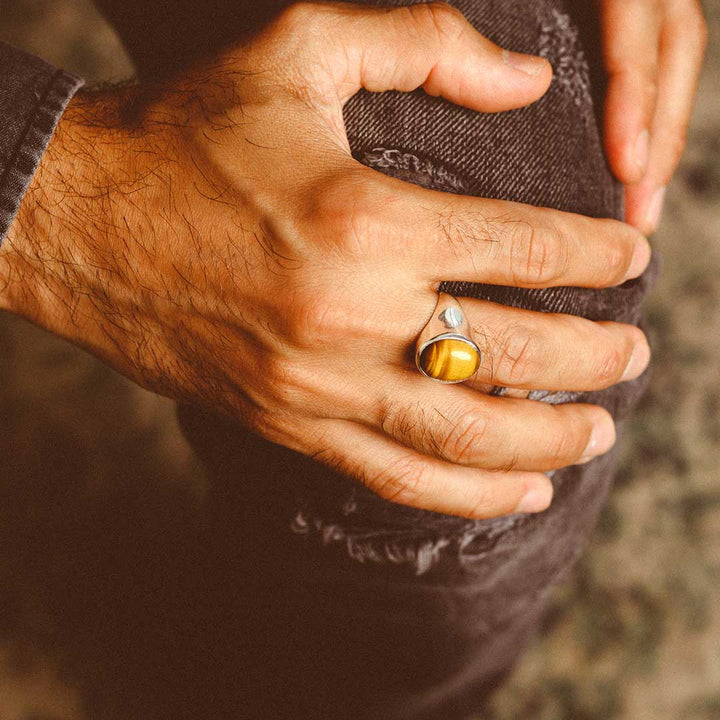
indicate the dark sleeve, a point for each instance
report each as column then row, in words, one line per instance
column 33, row 96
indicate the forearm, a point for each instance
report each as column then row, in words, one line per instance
column 99, row 251
column 225, row 249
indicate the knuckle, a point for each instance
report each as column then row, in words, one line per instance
column 291, row 29
column 565, row 445
column 343, row 215
column 284, row 384
column 447, row 21
column 353, row 228
column 517, row 362
column 484, row 502
column 538, row 255
column 298, row 14
column 611, row 365
column 403, row 481
column 464, row 442
column 315, row 320
column 291, row 44
column 618, row 255
column 386, row 412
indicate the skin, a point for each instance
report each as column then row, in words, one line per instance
column 653, row 52
column 214, row 240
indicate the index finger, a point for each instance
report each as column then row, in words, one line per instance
column 455, row 237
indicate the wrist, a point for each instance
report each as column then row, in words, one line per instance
column 66, row 216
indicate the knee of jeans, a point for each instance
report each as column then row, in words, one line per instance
column 418, row 546
column 549, row 153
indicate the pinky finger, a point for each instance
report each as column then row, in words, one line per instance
column 404, row 476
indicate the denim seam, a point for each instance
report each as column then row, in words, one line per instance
column 26, row 155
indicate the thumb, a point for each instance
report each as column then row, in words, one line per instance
column 430, row 45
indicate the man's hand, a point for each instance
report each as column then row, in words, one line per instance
column 227, row 250
column 653, row 53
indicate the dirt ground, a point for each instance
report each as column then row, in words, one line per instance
column 93, row 471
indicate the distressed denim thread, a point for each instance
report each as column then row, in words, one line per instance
column 548, row 154
column 348, row 547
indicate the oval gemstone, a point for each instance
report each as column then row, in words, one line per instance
column 450, row 360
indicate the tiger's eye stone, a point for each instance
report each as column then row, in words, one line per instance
column 450, row 360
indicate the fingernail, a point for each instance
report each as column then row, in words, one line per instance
column 638, row 362
column 535, row 500
column 602, row 439
column 640, row 259
column 642, row 149
column 528, row 64
column 652, row 217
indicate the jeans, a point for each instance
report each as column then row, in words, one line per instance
column 332, row 602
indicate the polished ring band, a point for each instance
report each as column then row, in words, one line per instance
column 445, row 350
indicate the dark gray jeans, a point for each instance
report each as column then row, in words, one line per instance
column 329, row 601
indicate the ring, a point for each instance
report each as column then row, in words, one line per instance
column 445, row 350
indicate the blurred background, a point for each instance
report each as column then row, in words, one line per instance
column 98, row 489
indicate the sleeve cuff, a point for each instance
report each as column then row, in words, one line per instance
column 33, row 96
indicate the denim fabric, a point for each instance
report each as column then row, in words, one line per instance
column 33, row 95
column 329, row 601
column 387, row 611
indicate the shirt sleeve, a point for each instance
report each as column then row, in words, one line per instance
column 33, row 96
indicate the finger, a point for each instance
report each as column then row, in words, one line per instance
column 461, row 426
column 681, row 54
column 520, row 349
column 545, row 351
column 403, row 476
column 454, row 237
column 428, row 45
column 631, row 31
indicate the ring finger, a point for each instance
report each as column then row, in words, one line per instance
column 549, row 351
column 521, row 348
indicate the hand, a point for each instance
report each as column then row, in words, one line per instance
column 653, row 53
column 226, row 249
